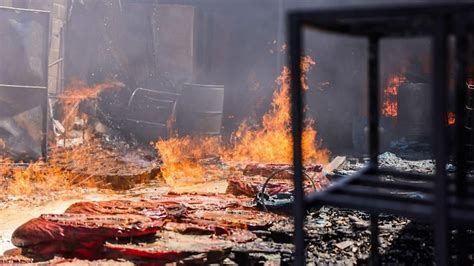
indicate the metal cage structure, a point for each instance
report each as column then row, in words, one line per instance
column 448, row 200
column 20, row 92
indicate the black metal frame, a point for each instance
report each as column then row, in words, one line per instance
column 446, row 200
column 43, row 87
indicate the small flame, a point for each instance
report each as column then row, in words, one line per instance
column 390, row 104
column 76, row 92
column 451, row 118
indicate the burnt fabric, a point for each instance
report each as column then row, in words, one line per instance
column 172, row 246
column 153, row 210
column 79, row 235
column 251, row 185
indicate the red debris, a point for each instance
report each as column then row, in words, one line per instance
column 153, row 210
column 247, row 219
column 79, row 235
column 175, row 246
column 206, row 201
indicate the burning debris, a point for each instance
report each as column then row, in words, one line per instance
column 390, row 104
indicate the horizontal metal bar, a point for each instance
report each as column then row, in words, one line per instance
column 383, row 11
column 404, row 175
column 417, row 211
column 384, row 194
column 146, row 122
column 23, row 86
column 375, row 182
column 340, row 183
column 24, row 9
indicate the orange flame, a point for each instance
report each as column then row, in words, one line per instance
column 390, row 104
column 76, row 92
column 44, row 177
column 182, row 158
column 451, row 118
column 272, row 142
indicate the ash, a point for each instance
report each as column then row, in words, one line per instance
column 338, row 236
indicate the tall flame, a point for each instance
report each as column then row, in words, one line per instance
column 272, row 142
column 390, row 104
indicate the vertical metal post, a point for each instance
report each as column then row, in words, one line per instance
column 374, row 108
column 440, row 86
column 295, row 45
column 374, row 240
column 44, row 107
column 460, row 88
column 374, row 111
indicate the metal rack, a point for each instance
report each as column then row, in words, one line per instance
column 447, row 200
column 39, row 90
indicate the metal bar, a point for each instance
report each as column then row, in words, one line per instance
column 375, row 181
column 404, row 175
column 56, row 62
column 24, row 9
column 24, row 86
column 44, row 107
column 461, row 78
column 384, row 194
column 374, row 240
column 413, row 211
column 440, row 84
column 296, row 47
column 374, row 109
column 461, row 183
column 323, row 15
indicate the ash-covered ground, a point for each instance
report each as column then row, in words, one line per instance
column 334, row 236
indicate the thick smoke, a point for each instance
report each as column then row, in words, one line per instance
column 238, row 44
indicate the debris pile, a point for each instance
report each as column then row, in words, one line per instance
column 174, row 227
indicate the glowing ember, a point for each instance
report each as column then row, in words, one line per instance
column 390, row 104
column 272, row 142
column 451, row 118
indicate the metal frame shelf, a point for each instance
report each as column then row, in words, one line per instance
column 445, row 201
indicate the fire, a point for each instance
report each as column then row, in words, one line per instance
column 44, row 177
column 272, row 142
column 390, row 104
column 451, row 118
column 76, row 92
column 182, row 158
